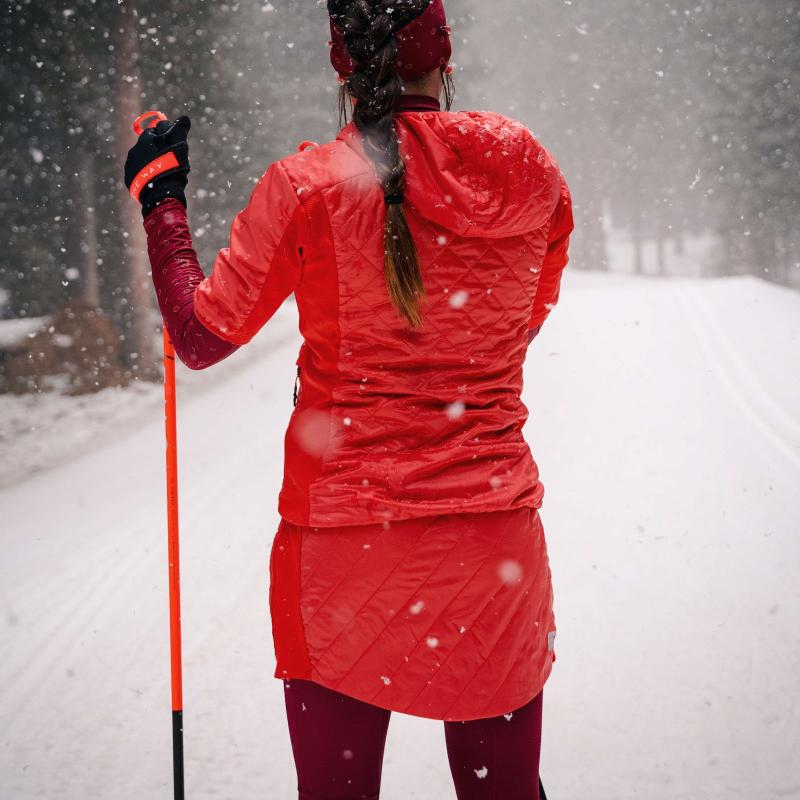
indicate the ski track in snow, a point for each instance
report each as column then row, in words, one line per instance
column 667, row 436
column 744, row 388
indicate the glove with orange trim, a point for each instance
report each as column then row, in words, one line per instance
column 157, row 167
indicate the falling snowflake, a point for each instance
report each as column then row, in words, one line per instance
column 432, row 642
column 456, row 410
column 459, row 299
column 312, row 432
column 510, row 571
column 417, row 608
column 482, row 772
column 386, row 680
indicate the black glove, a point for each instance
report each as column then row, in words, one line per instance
column 158, row 164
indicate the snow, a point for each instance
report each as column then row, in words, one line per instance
column 38, row 431
column 14, row 331
column 665, row 423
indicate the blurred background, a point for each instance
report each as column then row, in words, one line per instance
column 664, row 394
column 676, row 124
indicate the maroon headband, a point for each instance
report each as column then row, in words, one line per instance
column 422, row 46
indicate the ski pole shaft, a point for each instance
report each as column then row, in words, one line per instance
column 149, row 120
column 171, row 420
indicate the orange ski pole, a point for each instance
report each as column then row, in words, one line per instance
column 149, row 120
column 171, row 420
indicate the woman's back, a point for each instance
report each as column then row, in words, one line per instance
column 425, row 248
column 395, row 422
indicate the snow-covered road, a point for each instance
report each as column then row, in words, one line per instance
column 666, row 423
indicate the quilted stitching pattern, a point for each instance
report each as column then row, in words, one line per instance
column 421, row 618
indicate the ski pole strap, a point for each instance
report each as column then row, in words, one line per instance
column 147, row 120
column 164, row 163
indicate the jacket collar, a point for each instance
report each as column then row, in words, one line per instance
column 417, row 102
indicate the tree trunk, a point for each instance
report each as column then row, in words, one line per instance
column 638, row 264
column 783, row 254
column 661, row 254
column 727, row 265
column 70, row 219
column 139, row 342
column 89, row 273
column 763, row 255
column 592, row 253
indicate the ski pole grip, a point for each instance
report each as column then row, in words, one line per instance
column 147, row 120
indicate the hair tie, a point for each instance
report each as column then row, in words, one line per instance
column 394, row 199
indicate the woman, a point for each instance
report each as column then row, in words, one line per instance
column 425, row 249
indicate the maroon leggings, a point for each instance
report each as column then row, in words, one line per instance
column 338, row 747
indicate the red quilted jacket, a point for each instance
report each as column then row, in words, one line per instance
column 392, row 422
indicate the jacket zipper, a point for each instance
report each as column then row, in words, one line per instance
column 297, row 387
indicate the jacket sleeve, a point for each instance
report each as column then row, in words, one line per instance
column 176, row 274
column 556, row 258
column 262, row 265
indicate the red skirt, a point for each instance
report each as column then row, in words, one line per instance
column 447, row 617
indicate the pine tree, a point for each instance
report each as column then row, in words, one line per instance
column 750, row 127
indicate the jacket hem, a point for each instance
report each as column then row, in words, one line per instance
column 401, row 512
column 489, row 713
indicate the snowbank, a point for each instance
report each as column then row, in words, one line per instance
column 14, row 331
column 39, row 431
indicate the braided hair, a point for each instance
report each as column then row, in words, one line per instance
column 369, row 28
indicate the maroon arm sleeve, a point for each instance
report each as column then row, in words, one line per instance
column 176, row 275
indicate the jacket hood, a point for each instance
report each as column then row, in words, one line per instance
column 477, row 174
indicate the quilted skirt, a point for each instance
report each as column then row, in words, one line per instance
column 447, row 617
